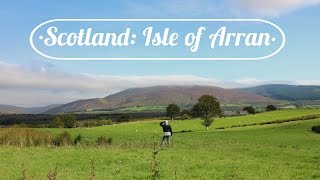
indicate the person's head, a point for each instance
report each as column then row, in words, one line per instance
column 166, row 122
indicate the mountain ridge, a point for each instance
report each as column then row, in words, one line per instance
column 161, row 95
column 10, row 109
column 285, row 92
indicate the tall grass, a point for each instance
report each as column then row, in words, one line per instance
column 155, row 169
column 52, row 175
column 31, row 138
column 24, row 137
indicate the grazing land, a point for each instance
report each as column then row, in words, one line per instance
column 279, row 150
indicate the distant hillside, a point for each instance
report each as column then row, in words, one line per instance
column 286, row 92
column 162, row 95
column 8, row 109
column 37, row 110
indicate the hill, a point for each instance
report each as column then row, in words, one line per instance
column 8, row 109
column 285, row 92
column 162, row 96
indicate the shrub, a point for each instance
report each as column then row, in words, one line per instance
column 77, row 140
column 249, row 109
column 63, row 139
column 271, row 108
column 316, row 129
column 104, row 141
column 94, row 123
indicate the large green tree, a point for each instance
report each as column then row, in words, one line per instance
column 69, row 120
column 208, row 107
column 64, row 120
column 172, row 111
column 57, row 123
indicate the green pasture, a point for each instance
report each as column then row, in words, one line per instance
column 276, row 151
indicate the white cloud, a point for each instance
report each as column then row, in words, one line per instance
column 308, row 82
column 217, row 9
column 274, row 7
column 249, row 82
column 42, row 85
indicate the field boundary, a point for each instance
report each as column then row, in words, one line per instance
column 279, row 121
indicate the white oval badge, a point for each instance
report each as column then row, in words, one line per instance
column 157, row 39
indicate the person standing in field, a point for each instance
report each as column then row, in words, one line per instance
column 167, row 132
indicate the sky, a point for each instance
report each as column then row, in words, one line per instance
column 28, row 79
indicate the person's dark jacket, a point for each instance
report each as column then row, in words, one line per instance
column 166, row 128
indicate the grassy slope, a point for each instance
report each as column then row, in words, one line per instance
column 278, row 151
column 264, row 117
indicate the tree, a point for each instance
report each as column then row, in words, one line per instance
column 207, row 107
column 249, row 109
column 195, row 111
column 57, row 123
column 64, row 120
column 173, row 110
column 69, row 120
column 271, row 108
column 186, row 112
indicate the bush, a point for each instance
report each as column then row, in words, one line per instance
column 104, row 141
column 271, row 108
column 249, row 109
column 63, row 139
column 77, row 140
column 94, row 123
column 316, row 129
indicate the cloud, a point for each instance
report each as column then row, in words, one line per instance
column 274, row 7
column 217, row 9
column 248, row 82
column 41, row 84
column 307, row 82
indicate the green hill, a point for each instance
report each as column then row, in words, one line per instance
column 162, row 96
column 286, row 92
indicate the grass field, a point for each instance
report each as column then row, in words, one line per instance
column 276, row 151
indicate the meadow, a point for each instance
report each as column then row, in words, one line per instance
column 288, row 150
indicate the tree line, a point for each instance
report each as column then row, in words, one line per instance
column 207, row 108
